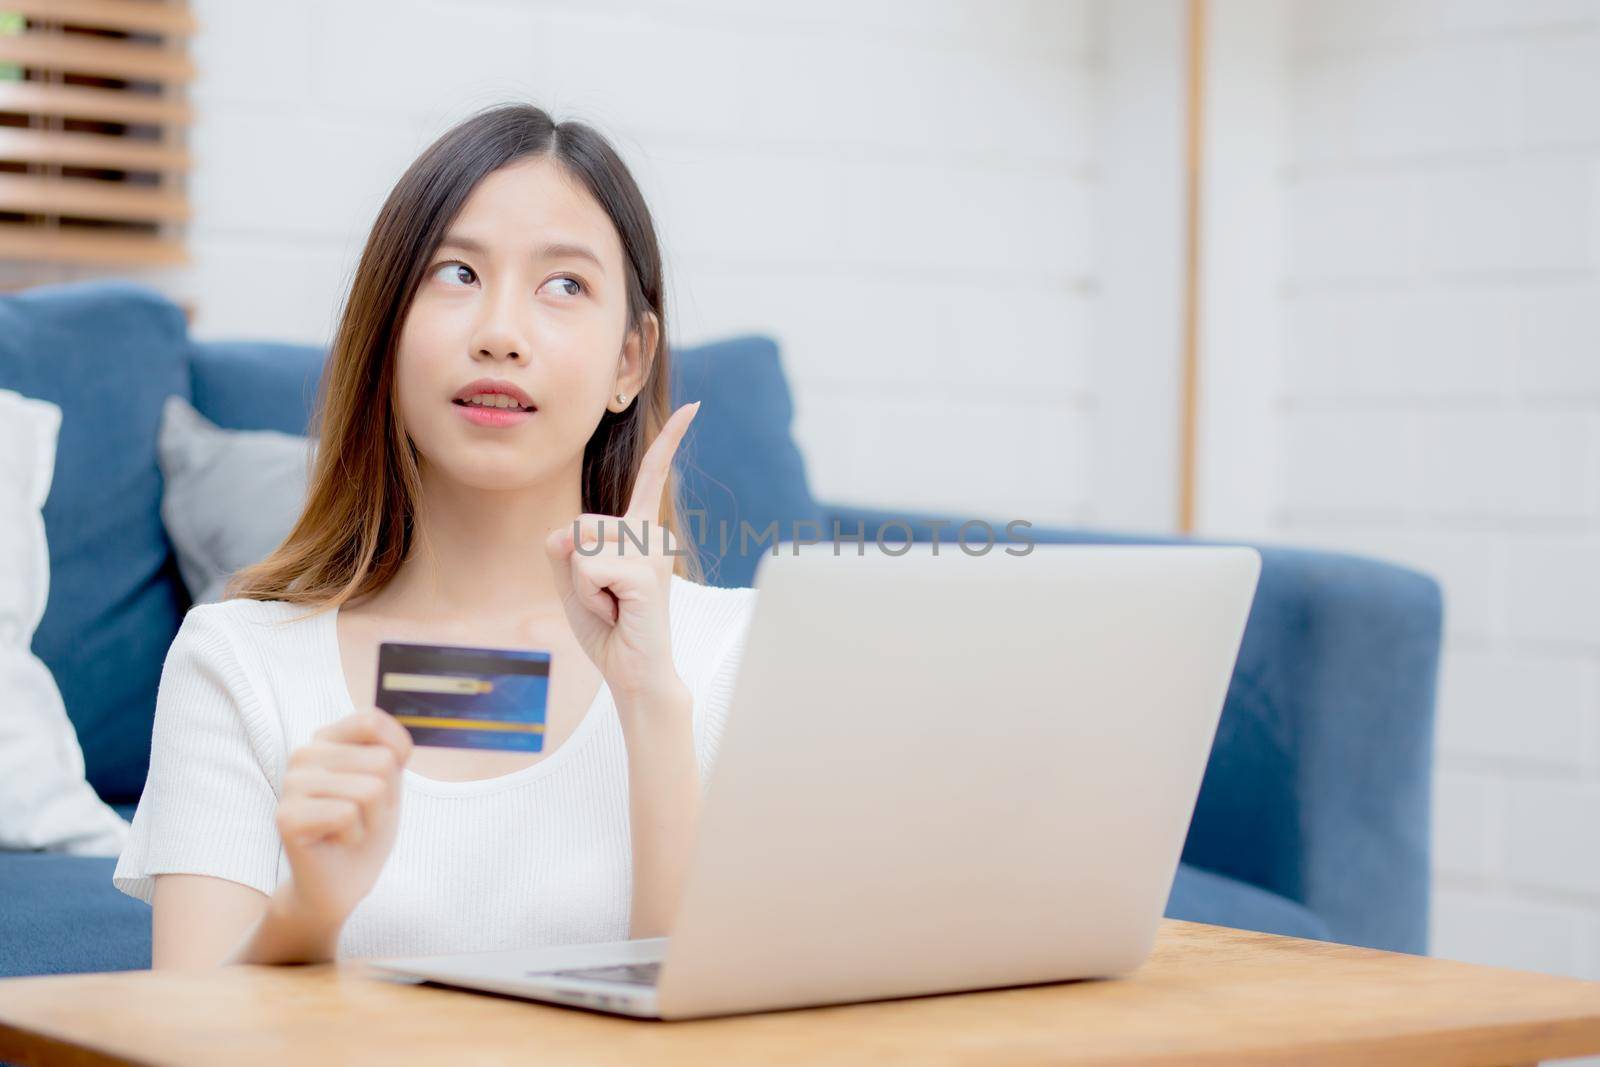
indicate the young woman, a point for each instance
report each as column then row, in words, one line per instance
column 498, row 385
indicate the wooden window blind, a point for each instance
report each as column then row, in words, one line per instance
column 93, row 120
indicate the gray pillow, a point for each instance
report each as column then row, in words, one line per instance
column 231, row 496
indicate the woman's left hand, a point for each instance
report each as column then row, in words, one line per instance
column 615, row 594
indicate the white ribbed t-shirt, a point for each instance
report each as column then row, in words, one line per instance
column 539, row 856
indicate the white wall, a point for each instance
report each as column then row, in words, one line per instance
column 1244, row 118
column 1138, row 329
column 902, row 193
column 1439, row 404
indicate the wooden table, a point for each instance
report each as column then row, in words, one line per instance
column 1208, row 996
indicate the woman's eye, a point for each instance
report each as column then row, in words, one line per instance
column 577, row 286
column 455, row 272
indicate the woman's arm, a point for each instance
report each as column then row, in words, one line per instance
column 337, row 822
column 198, row 921
column 663, row 805
column 617, row 601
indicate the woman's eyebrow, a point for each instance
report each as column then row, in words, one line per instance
column 555, row 250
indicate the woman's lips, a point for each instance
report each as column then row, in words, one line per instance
column 492, row 416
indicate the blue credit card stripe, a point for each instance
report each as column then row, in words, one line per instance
column 437, row 723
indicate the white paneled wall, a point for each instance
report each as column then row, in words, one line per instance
column 902, row 193
column 1440, row 405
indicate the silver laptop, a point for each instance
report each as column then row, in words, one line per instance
column 940, row 772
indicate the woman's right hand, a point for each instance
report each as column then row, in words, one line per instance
column 339, row 813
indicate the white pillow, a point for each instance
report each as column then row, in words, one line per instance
column 45, row 803
column 230, row 497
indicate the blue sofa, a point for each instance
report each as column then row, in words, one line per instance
column 1314, row 813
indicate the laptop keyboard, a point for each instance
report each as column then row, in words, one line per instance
column 631, row 973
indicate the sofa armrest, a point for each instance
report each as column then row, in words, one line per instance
column 1319, row 783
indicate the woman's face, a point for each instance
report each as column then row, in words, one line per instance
column 526, row 293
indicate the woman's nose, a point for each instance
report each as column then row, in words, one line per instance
column 498, row 350
column 500, row 333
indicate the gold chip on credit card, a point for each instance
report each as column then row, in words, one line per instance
column 435, row 683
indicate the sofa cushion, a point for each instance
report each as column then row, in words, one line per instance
column 256, row 385
column 739, row 462
column 63, row 916
column 108, row 354
column 1203, row 896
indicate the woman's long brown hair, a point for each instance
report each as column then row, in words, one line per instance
column 359, row 520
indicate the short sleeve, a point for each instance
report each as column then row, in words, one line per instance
column 714, row 695
column 210, row 802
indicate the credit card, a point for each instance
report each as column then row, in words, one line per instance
column 459, row 697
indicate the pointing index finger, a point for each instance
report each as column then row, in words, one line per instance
column 645, row 504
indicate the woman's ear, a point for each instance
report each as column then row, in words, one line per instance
column 639, row 351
